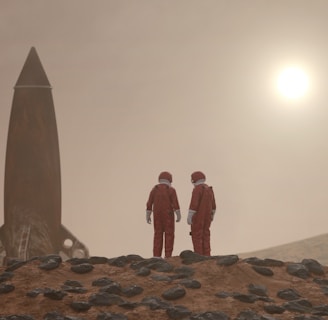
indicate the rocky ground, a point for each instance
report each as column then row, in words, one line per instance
column 188, row 286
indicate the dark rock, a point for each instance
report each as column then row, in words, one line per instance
column 54, row 294
column 132, row 291
column 185, row 271
column 321, row 310
column 101, row 282
column 158, row 277
column 298, row 270
column 80, row 305
column 189, row 257
column 325, row 290
column 111, row 316
column 257, row 289
column 49, row 265
column 305, row 317
column 228, row 260
column 143, row 271
column 248, row 315
column 264, row 262
column 73, row 318
column 105, row 299
column 288, row 294
column 73, row 283
column 157, row 264
column 74, row 289
column 313, row 266
column 223, row 294
column 53, row 315
column 155, row 303
column 113, row 287
column 51, row 257
column 82, row 268
column 263, row 270
column 77, row 261
column 174, row 293
column 301, row 306
column 273, row 309
column 189, row 283
column 210, row 316
column 129, row 305
column 248, row 298
column 6, row 276
column 134, row 257
column 178, row 312
column 118, row 261
column 35, row 292
column 322, row 282
column 18, row 317
column 15, row 265
column 6, row 288
column 98, row 260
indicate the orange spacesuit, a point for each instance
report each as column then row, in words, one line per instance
column 201, row 213
column 163, row 202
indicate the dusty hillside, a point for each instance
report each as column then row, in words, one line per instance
column 314, row 247
column 183, row 287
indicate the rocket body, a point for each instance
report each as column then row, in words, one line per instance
column 32, row 186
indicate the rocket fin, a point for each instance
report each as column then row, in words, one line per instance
column 71, row 246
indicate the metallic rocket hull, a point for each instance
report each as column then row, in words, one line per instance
column 32, row 187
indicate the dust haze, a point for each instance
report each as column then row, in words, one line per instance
column 146, row 86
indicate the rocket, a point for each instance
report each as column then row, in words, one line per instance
column 32, row 184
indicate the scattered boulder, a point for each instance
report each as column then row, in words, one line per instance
column 178, row 312
column 6, row 288
column 210, row 316
column 257, row 289
column 248, row 298
column 105, row 299
column 132, row 291
column 113, row 287
column 288, row 294
column 101, row 282
column 174, row 293
column 155, row 303
column 118, row 261
column 313, row 266
column 189, row 257
column 228, row 260
column 264, row 262
column 7, row 275
column 80, row 305
column 298, row 270
column 98, row 260
column 190, row 283
column 82, row 268
column 273, row 309
column 301, row 306
column 34, row 293
column 143, row 272
column 263, row 270
column 111, row 316
column 54, row 294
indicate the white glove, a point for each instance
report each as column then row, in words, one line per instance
column 148, row 219
column 213, row 213
column 178, row 214
column 190, row 215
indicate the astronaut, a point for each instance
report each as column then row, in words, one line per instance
column 163, row 203
column 201, row 213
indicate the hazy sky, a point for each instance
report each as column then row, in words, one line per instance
column 143, row 86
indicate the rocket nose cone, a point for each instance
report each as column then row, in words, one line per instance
column 32, row 73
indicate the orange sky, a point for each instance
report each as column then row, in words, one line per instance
column 145, row 86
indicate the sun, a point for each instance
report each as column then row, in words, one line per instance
column 293, row 83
